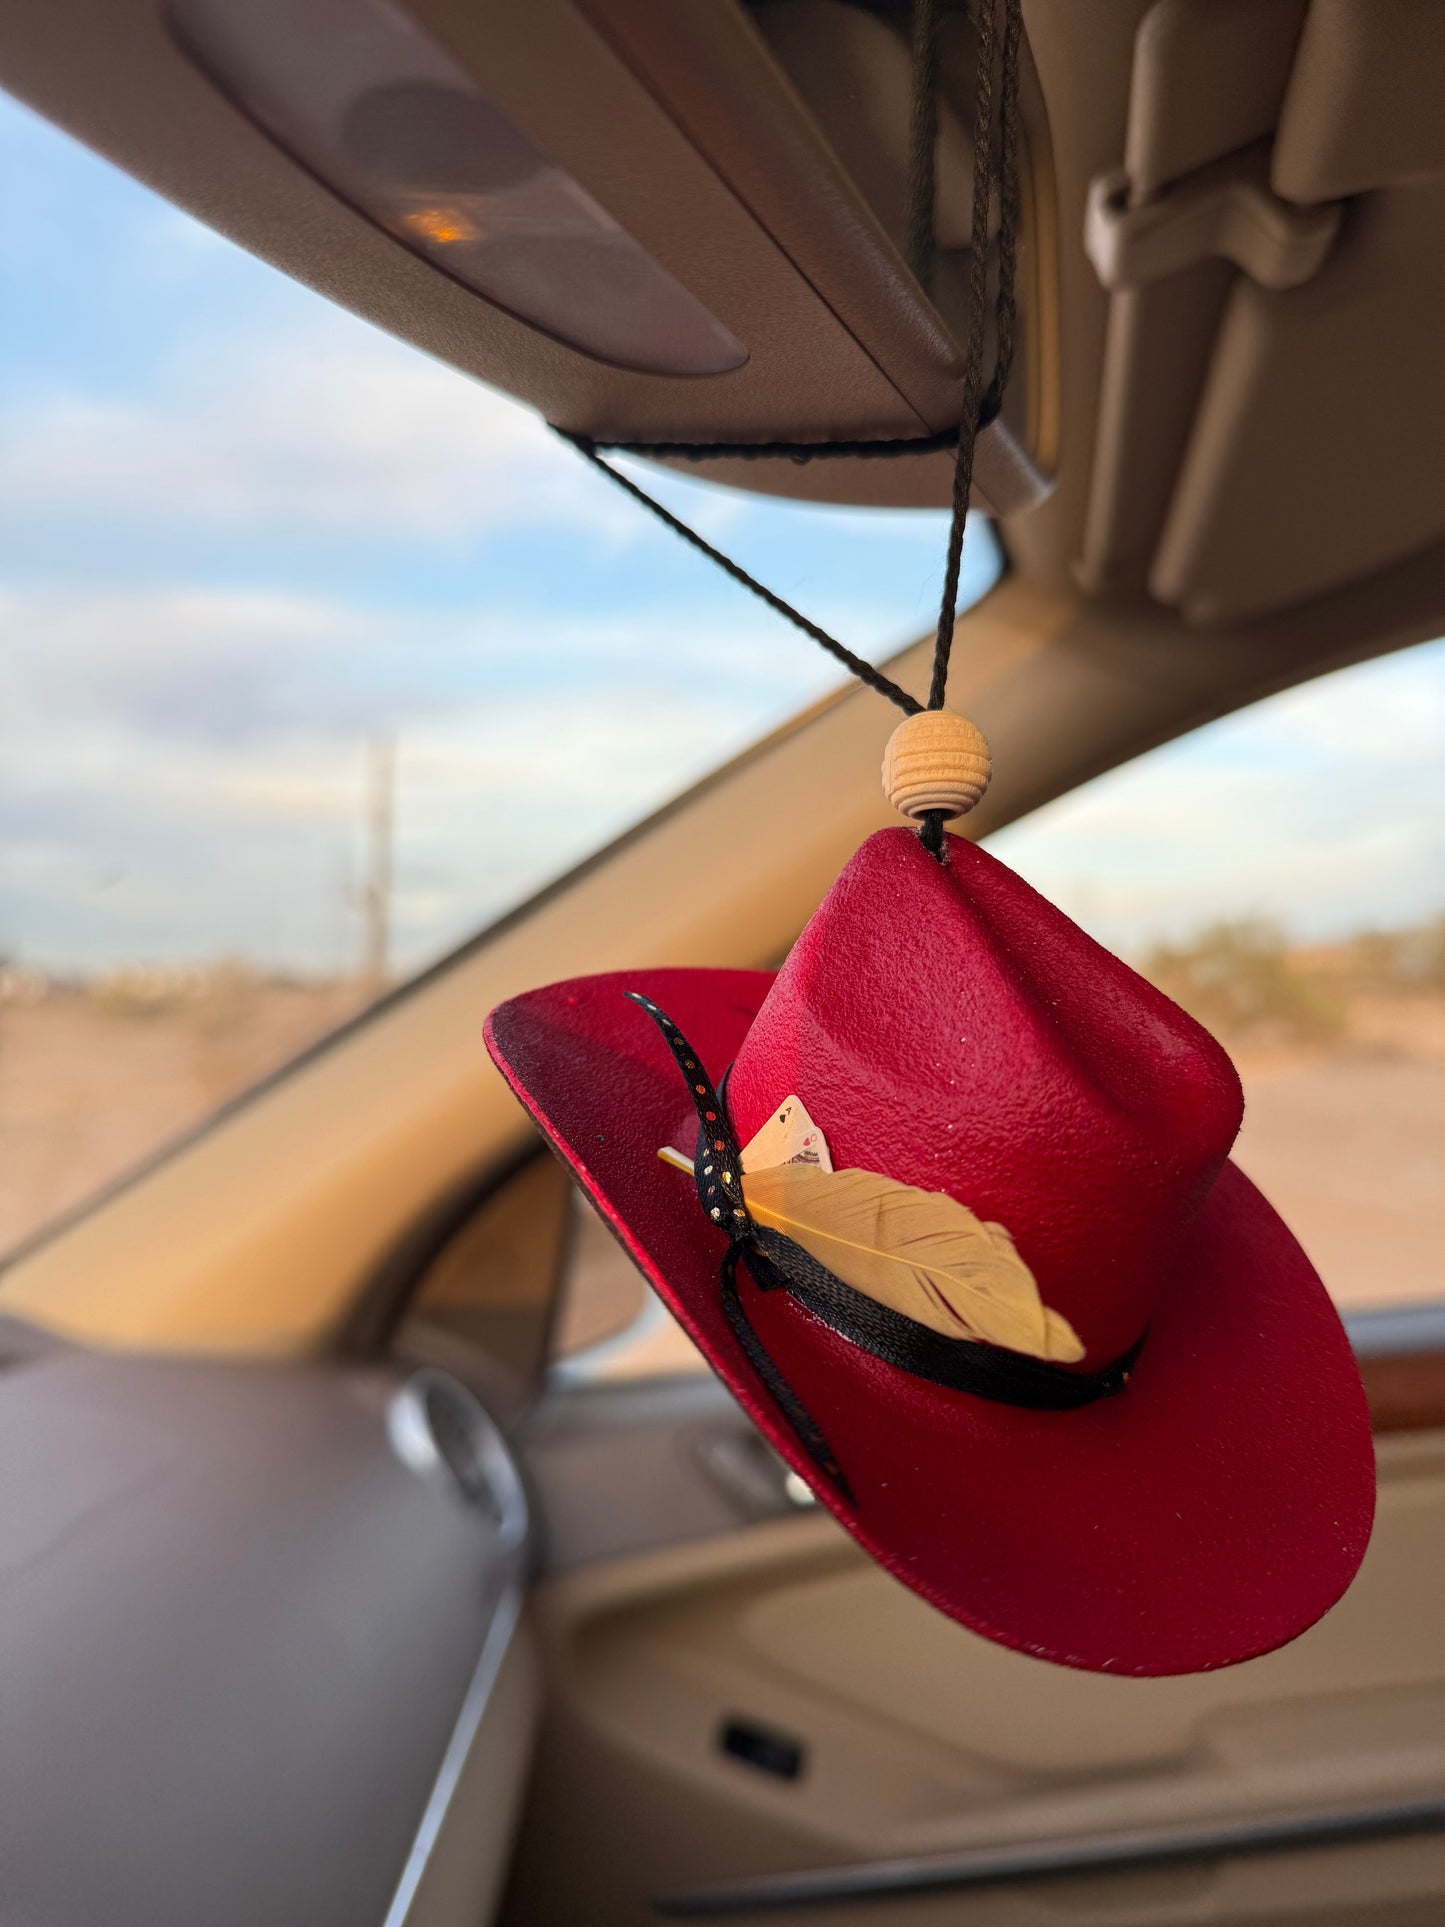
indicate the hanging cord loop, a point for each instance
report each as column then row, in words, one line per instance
column 923, row 143
column 925, row 38
column 995, row 128
column 855, row 664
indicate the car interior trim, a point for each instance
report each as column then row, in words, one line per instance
column 1396, row 1331
column 1124, row 1851
column 450, row 1774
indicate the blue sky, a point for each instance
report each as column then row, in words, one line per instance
column 240, row 531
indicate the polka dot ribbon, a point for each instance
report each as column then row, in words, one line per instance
column 718, row 1173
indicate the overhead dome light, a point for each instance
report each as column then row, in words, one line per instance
column 379, row 113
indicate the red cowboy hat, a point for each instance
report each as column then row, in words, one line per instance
column 1047, row 1355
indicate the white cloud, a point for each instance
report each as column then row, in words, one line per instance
column 1372, row 716
column 181, row 772
column 328, row 426
column 178, row 664
column 163, row 663
column 1322, row 809
column 184, row 690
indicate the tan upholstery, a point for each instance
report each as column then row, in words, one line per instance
column 1260, row 445
column 1315, row 455
column 1209, row 77
column 1364, row 107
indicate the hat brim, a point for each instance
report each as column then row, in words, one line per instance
column 1210, row 1513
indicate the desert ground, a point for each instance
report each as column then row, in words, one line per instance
column 94, row 1078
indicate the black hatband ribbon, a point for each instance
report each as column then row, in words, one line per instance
column 776, row 1262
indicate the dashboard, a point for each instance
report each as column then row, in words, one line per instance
column 259, row 1626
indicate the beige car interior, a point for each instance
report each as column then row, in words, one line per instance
column 1218, row 474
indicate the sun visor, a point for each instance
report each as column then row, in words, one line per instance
column 648, row 223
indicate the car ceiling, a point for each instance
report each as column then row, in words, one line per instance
column 1244, row 418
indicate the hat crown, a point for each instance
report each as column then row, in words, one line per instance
column 948, row 1027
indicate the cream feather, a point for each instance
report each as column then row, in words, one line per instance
column 918, row 1252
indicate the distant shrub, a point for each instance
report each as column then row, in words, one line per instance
column 141, row 991
column 1241, row 982
column 214, row 994
column 1397, row 959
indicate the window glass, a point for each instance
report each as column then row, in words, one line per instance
column 1282, row 874
column 316, row 657
column 610, row 1323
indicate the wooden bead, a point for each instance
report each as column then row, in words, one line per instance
column 936, row 760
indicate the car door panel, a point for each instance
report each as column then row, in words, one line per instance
column 916, row 1738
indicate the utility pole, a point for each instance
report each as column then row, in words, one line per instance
column 380, row 814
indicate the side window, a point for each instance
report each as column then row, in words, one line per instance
column 610, row 1324
column 1282, row 875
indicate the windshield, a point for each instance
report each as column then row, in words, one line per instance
column 317, row 656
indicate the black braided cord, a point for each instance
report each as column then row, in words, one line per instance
column 973, row 356
column 718, row 1172
column 857, row 665
column 876, row 448
column 923, row 143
